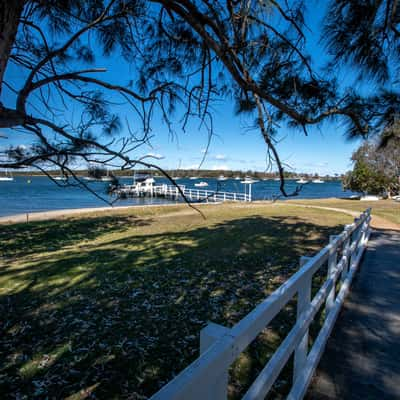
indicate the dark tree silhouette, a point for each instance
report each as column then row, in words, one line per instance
column 366, row 36
column 184, row 55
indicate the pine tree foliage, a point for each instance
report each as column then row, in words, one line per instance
column 365, row 35
column 183, row 55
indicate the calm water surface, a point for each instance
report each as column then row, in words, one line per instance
column 41, row 194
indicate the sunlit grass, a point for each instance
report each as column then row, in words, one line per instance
column 386, row 209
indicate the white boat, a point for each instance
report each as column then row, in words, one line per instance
column 89, row 178
column 194, row 177
column 277, row 179
column 6, row 178
column 369, row 197
column 222, row 178
column 317, row 180
column 107, row 177
column 249, row 180
column 60, row 178
column 237, row 178
column 201, row 184
column 175, row 178
column 302, row 181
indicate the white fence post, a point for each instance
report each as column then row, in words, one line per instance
column 346, row 251
column 332, row 263
column 218, row 389
column 303, row 302
column 357, row 237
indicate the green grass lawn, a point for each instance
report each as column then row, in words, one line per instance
column 386, row 209
column 110, row 306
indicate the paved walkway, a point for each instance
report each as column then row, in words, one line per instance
column 362, row 357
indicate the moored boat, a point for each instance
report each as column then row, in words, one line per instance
column 201, row 184
column 249, row 180
column 6, row 178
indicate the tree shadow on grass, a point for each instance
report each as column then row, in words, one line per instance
column 119, row 320
column 51, row 235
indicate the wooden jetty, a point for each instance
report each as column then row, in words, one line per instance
column 147, row 188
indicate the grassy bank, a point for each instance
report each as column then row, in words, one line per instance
column 388, row 210
column 111, row 305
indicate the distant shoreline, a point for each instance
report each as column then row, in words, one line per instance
column 40, row 195
column 187, row 173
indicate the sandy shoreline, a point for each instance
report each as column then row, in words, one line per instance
column 59, row 214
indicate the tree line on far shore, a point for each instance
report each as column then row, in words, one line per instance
column 100, row 171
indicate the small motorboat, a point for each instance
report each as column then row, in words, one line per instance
column 60, row 178
column 193, row 178
column 106, row 178
column 201, row 184
column 302, row 181
column 248, row 180
column 6, row 178
column 317, row 180
column 222, row 178
column 369, row 197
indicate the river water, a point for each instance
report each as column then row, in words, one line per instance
column 30, row 194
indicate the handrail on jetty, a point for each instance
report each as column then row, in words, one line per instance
column 207, row 376
column 171, row 191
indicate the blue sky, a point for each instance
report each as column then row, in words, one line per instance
column 234, row 146
column 324, row 151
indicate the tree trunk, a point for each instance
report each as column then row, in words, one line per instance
column 10, row 13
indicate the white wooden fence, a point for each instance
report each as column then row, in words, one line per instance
column 207, row 377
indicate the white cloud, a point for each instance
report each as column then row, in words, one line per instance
column 223, row 167
column 220, row 157
column 155, row 155
column 191, row 166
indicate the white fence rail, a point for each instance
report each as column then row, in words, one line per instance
column 207, row 377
